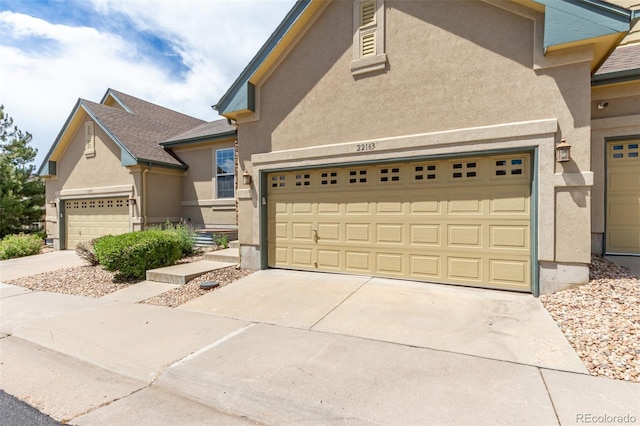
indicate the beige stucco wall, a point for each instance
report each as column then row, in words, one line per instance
column 163, row 193
column 452, row 67
column 619, row 119
column 200, row 206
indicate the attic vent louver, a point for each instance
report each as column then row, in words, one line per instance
column 367, row 13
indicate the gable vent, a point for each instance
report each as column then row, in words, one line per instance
column 367, row 13
column 368, row 44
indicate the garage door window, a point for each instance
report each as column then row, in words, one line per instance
column 225, row 173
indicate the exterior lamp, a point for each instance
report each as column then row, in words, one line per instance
column 246, row 178
column 131, row 201
column 52, row 203
column 563, row 151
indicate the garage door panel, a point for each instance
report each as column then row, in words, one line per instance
column 465, row 235
column 508, row 271
column 509, row 237
column 359, row 261
column 428, row 267
column 389, row 264
column 428, row 224
column 390, row 234
column 424, row 235
column 460, row 268
column 357, row 233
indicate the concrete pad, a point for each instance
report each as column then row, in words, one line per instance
column 493, row 324
column 138, row 292
column 280, row 375
column 8, row 290
column 581, row 399
column 58, row 385
column 134, row 340
column 31, row 265
column 153, row 407
column 275, row 296
column 231, row 254
column 40, row 307
column 183, row 273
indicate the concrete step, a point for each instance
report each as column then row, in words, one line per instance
column 226, row 255
column 234, row 244
column 181, row 274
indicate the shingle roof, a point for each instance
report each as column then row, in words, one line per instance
column 624, row 58
column 141, row 130
column 211, row 129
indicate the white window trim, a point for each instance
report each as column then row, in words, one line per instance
column 216, row 174
column 378, row 60
column 89, row 140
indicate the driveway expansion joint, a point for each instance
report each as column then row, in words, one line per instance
column 340, row 303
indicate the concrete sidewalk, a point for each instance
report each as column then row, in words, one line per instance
column 24, row 266
column 281, row 347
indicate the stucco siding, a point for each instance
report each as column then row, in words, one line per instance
column 164, row 193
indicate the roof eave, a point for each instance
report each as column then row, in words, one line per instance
column 238, row 96
column 43, row 169
column 199, row 139
column 616, row 77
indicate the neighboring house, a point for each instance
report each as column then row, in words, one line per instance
column 107, row 172
column 615, row 138
column 417, row 139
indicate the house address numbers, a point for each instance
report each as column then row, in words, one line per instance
column 362, row 147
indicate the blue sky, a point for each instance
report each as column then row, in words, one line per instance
column 181, row 54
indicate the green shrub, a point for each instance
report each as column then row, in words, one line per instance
column 132, row 254
column 221, row 240
column 19, row 245
column 185, row 234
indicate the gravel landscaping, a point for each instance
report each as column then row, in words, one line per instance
column 601, row 320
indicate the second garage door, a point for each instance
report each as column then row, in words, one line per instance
column 460, row 221
column 89, row 219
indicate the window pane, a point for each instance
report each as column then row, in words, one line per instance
column 225, row 186
column 225, row 163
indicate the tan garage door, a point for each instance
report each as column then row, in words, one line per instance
column 462, row 221
column 89, row 219
column 623, row 197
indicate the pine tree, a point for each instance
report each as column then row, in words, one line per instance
column 22, row 193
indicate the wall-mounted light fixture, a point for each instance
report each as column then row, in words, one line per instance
column 563, row 151
column 246, row 177
column 131, row 201
column 53, row 203
column 603, row 105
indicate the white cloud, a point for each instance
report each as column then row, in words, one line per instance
column 42, row 79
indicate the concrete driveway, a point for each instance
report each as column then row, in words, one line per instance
column 30, row 265
column 490, row 324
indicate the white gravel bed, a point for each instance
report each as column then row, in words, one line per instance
column 601, row 320
column 191, row 290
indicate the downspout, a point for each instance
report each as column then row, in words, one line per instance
column 144, row 197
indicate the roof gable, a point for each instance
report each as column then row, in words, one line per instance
column 214, row 130
column 135, row 125
column 566, row 22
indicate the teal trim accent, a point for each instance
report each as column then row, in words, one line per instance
column 264, row 221
column 49, row 168
column 567, row 21
column 241, row 94
column 535, row 267
column 126, row 158
column 615, row 77
column 62, row 225
column 200, row 139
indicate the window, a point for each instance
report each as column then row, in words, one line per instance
column 368, row 39
column 90, row 140
column 225, row 173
